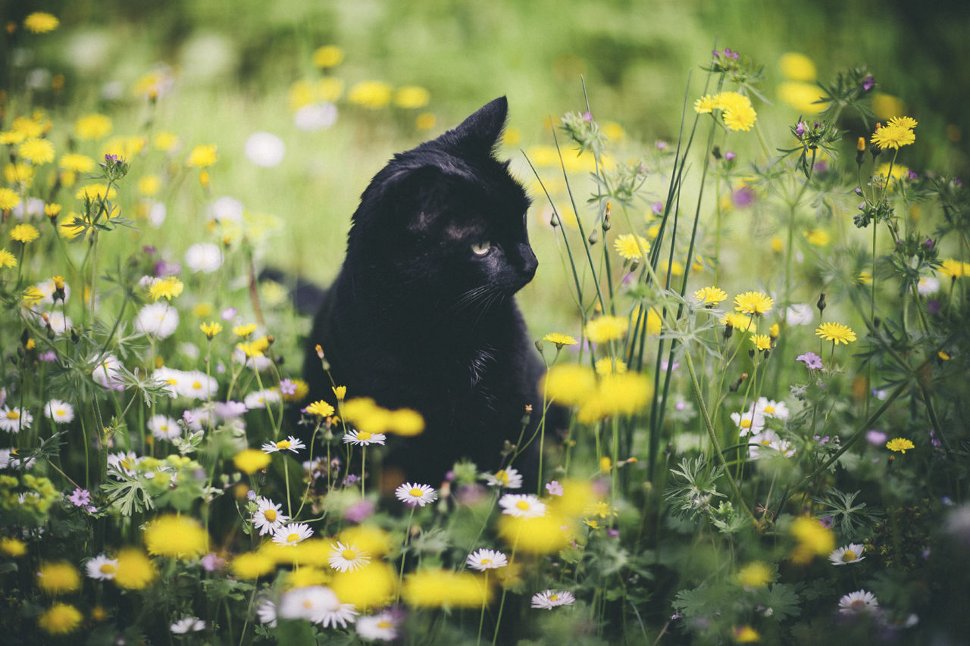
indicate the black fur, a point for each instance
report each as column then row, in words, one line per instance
column 416, row 319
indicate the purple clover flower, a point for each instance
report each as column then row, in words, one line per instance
column 868, row 83
column 811, row 360
column 800, row 128
column 554, row 488
column 657, row 208
column 876, row 437
column 743, row 197
column 288, row 387
column 729, row 156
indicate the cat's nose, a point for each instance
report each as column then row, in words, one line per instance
column 528, row 262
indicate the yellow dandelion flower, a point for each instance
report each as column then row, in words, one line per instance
column 135, row 570
column 613, row 131
column 631, row 247
column 29, row 126
column 900, row 445
column 606, row 328
column 8, row 137
column 203, row 156
column 167, row 288
column 8, row 199
column 893, row 137
column 738, row 321
column 251, row 460
column 124, row 147
column 740, row 119
column 58, row 578
column 210, row 329
column 31, row 295
column 91, row 127
column 165, row 141
column 445, row 589
column 559, row 340
column 404, row 422
column 568, row 384
column 774, row 331
column 610, row 366
column 372, row 95
column 60, row 619
column 77, row 163
column 22, row 174
column 425, row 121
column 746, row 635
column 149, row 185
column 755, row 575
column 36, row 151
column 797, row 67
column 13, row 547
column 320, row 408
column 818, row 237
column 299, row 392
column 7, row 259
column 370, row 586
column 411, row 97
column 252, row 565
column 904, row 122
column 328, row 56
column 761, row 342
column 95, row 192
column 706, row 104
column 731, row 101
column 813, row 539
column 370, row 539
column 546, row 534
column 243, row 331
column 41, row 22
column 616, row 394
column 753, row 303
column 710, row 296
column 804, row 97
column 951, row 267
column 837, row 333
column 339, row 392
column 179, row 537
column 24, row 233
column 328, row 90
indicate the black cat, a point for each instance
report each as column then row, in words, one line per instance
column 422, row 313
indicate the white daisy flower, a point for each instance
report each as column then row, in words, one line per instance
column 59, row 322
column 311, row 603
column 505, row 478
column 338, row 618
column 257, row 363
column 59, row 412
column 364, row 438
column 158, row 320
column 227, row 209
column 858, row 602
column 768, row 440
column 168, row 379
column 266, row 612
column 155, row 211
column 47, row 288
column 107, row 372
column 164, row 428
column 345, row 558
column 522, row 506
column 101, row 568
column 799, row 314
column 203, row 257
column 123, row 463
column 289, row 444
column 485, row 559
column 851, row 553
column 265, row 149
column 415, row 494
column 771, row 408
column 380, row 627
column 292, row 534
column 187, row 625
column 928, row 285
column 751, row 423
column 196, row 385
column 552, row 598
column 14, row 418
column 317, row 116
column 262, row 398
column 268, row 518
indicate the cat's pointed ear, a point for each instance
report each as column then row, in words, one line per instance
column 484, row 127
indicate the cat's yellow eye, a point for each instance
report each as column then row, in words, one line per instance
column 481, row 248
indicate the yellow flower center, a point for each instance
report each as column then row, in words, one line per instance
column 59, row 412
column 270, row 515
column 849, row 555
column 196, row 385
column 503, row 477
column 746, row 423
column 486, row 561
column 307, row 604
column 283, row 444
column 384, row 623
column 417, row 493
column 364, row 435
column 292, row 538
column 523, row 505
column 350, row 555
column 12, row 414
column 107, row 568
column 770, row 410
column 553, row 597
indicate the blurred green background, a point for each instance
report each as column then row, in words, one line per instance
column 228, row 69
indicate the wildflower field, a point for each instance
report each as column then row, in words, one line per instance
column 753, row 305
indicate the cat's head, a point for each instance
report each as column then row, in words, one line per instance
column 446, row 219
